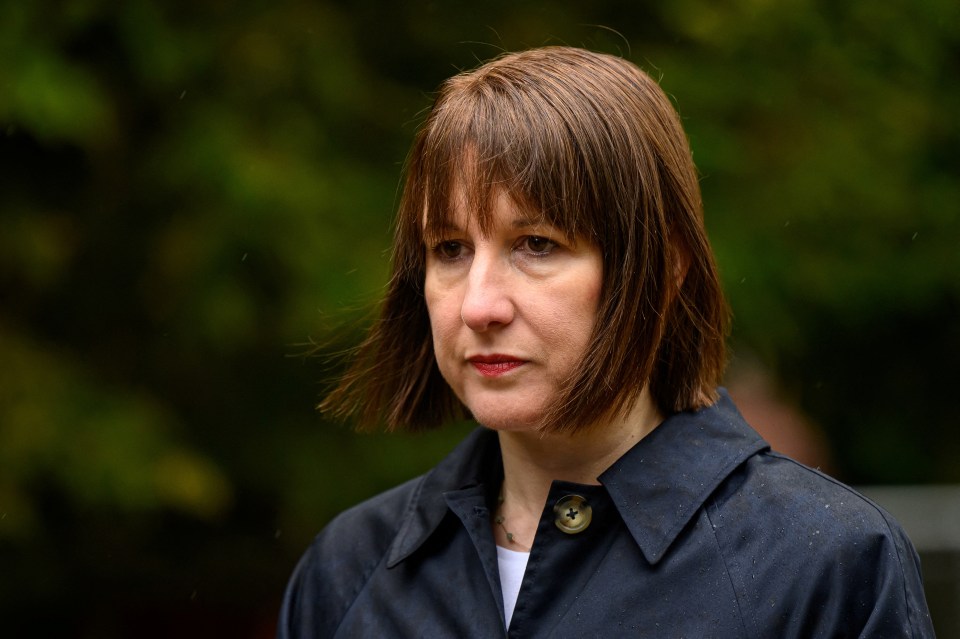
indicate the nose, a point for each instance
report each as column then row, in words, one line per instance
column 488, row 298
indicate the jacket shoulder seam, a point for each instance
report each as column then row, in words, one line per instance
column 727, row 570
column 892, row 535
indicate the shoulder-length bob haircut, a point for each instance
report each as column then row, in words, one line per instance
column 589, row 142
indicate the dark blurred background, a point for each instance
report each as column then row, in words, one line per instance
column 194, row 194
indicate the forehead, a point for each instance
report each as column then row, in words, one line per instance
column 483, row 208
column 503, row 211
column 477, row 147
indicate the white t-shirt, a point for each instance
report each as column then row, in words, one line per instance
column 512, row 566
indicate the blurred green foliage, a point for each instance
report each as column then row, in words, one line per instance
column 191, row 192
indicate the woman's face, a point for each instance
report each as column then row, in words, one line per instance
column 511, row 312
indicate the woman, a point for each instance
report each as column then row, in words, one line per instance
column 553, row 280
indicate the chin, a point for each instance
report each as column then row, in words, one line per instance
column 500, row 420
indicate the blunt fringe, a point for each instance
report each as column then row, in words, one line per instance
column 591, row 143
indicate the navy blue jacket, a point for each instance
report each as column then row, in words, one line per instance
column 698, row 531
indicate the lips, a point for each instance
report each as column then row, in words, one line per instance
column 495, row 365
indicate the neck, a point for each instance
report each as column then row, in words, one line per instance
column 533, row 460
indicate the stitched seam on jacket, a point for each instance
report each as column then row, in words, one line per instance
column 726, row 469
column 726, row 567
column 894, row 538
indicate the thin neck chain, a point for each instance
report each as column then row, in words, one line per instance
column 499, row 519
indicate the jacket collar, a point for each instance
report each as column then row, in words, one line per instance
column 475, row 461
column 671, row 472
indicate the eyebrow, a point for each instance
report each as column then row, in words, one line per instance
column 520, row 222
column 517, row 223
column 526, row 222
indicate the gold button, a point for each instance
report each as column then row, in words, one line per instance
column 572, row 514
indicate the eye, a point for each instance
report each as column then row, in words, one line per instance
column 538, row 245
column 449, row 250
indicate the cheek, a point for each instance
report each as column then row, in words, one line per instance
column 592, row 288
column 444, row 316
column 443, row 330
column 575, row 320
column 571, row 332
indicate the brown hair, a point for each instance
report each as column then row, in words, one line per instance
column 591, row 143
